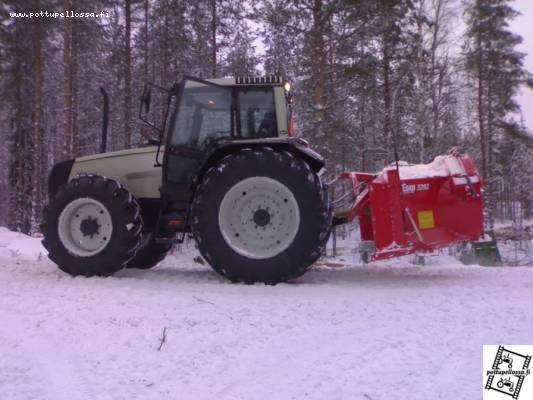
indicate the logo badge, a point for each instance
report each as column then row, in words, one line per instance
column 506, row 372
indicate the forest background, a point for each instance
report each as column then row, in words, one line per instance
column 435, row 73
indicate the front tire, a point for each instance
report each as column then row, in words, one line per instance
column 261, row 216
column 92, row 226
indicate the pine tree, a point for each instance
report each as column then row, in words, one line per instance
column 491, row 57
column 22, row 82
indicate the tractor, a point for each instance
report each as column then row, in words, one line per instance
column 506, row 359
column 228, row 173
column 227, row 170
column 506, row 383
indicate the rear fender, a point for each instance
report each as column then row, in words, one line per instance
column 296, row 147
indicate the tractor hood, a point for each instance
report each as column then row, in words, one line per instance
column 134, row 168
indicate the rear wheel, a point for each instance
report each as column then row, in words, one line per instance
column 92, row 226
column 261, row 216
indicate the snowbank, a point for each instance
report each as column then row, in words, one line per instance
column 18, row 245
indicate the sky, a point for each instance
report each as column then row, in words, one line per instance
column 523, row 25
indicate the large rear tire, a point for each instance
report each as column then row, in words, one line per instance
column 92, row 226
column 261, row 216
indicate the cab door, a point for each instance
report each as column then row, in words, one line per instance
column 204, row 112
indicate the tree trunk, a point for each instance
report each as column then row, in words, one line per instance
column 144, row 129
column 164, row 64
column 145, row 61
column 67, row 81
column 435, row 80
column 76, row 150
column 361, row 142
column 19, row 221
column 37, row 119
column 318, row 72
column 362, row 136
column 127, row 77
column 387, row 119
column 420, row 86
column 214, row 37
column 480, row 99
column 491, row 185
column 481, row 114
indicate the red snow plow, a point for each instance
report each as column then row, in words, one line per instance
column 415, row 208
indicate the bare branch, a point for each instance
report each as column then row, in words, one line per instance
column 163, row 339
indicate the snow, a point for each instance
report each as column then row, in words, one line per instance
column 515, row 241
column 18, row 245
column 381, row 331
column 441, row 166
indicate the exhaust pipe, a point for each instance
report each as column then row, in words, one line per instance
column 105, row 120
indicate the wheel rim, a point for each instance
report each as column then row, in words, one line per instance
column 85, row 227
column 259, row 217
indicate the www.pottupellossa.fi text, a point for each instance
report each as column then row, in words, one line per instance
column 62, row 14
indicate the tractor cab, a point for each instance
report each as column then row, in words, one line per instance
column 209, row 114
column 202, row 111
column 208, row 111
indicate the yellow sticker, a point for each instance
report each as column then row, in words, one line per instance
column 426, row 220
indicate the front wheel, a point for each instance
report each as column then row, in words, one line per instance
column 92, row 226
column 261, row 216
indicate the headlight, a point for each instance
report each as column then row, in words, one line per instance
column 287, row 87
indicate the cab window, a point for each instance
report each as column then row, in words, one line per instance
column 257, row 113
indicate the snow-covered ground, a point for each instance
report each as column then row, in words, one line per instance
column 383, row 331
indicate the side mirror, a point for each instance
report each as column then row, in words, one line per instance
column 144, row 106
column 144, row 109
column 146, row 99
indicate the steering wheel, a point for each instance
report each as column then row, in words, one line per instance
column 215, row 137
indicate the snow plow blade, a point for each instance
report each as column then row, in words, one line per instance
column 418, row 208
